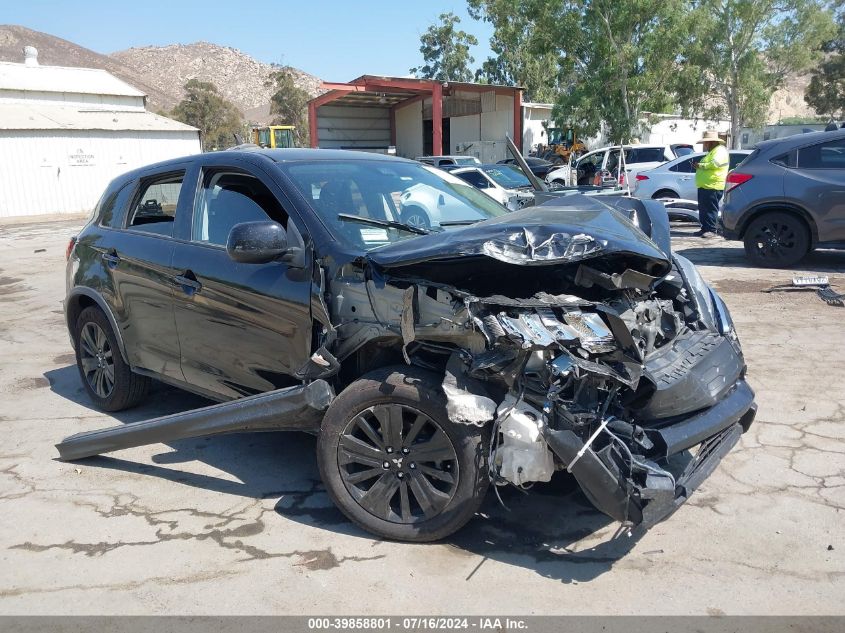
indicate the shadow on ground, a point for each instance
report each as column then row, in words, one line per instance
column 536, row 531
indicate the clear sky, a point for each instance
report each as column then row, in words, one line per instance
column 336, row 40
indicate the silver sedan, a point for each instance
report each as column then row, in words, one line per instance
column 676, row 179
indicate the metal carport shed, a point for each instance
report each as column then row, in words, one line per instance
column 416, row 116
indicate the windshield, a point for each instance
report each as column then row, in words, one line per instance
column 469, row 160
column 508, row 176
column 408, row 193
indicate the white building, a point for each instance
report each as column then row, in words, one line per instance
column 66, row 132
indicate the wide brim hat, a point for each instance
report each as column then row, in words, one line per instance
column 710, row 136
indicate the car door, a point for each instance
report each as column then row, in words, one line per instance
column 243, row 328
column 138, row 258
column 818, row 183
column 683, row 178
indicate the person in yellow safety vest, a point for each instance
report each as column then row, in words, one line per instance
column 710, row 175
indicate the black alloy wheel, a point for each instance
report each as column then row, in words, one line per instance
column 776, row 240
column 398, row 463
column 97, row 359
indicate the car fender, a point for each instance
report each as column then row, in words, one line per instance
column 81, row 291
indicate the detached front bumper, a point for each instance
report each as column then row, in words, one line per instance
column 715, row 431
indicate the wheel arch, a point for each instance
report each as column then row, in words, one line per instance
column 674, row 193
column 81, row 298
column 781, row 207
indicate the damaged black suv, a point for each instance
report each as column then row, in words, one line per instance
column 431, row 359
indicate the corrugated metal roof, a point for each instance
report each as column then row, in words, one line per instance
column 63, row 79
column 19, row 116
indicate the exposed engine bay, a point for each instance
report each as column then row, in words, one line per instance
column 580, row 351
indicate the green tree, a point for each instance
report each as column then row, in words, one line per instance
column 445, row 51
column 520, row 59
column 217, row 118
column 289, row 103
column 826, row 90
column 608, row 60
column 740, row 52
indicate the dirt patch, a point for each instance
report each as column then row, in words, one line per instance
column 28, row 384
column 64, row 359
column 741, row 286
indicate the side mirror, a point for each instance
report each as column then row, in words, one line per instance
column 256, row 242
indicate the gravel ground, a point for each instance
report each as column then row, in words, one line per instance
column 241, row 525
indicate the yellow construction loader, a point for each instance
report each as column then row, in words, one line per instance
column 273, row 136
column 561, row 143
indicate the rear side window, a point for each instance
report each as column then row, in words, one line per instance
column 683, row 167
column 154, row 209
column 228, row 199
column 645, row 155
column 113, row 207
column 736, row 159
column 475, row 179
column 827, row 155
column 682, row 150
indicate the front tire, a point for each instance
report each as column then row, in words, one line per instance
column 776, row 240
column 110, row 383
column 394, row 463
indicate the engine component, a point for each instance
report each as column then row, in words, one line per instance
column 523, row 455
column 595, row 336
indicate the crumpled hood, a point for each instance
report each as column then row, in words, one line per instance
column 536, row 236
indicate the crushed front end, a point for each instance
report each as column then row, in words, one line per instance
column 594, row 353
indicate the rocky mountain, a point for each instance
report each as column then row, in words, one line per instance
column 238, row 77
column 162, row 71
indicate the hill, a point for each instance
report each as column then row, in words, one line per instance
column 238, row 77
column 161, row 71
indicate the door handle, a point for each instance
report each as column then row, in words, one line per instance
column 110, row 258
column 189, row 282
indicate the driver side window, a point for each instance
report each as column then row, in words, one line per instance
column 229, row 198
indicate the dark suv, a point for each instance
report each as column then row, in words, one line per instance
column 787, row 198
column 489, row 347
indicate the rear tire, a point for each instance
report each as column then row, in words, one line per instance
column 110, row 383
column 416, row 216
column 664, row 193
column 776, row 240
column 394, row 463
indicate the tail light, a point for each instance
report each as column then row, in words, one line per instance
column 641, row 177
column 71, row 243
column 622, row 179
column 735, row 179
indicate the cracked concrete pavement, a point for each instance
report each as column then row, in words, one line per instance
column 241, row 524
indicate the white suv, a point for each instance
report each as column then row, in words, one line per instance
column 600, row 166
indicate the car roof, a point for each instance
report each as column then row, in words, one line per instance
column 797, row 140
column 274, row 155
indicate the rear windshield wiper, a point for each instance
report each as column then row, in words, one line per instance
column 390, row 224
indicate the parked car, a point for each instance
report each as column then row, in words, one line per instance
column 676, row 179
column 539, row 167
column 787, row 198
column 506, row 184
column 499, row 347
column 600, row 167
column 442, row 161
